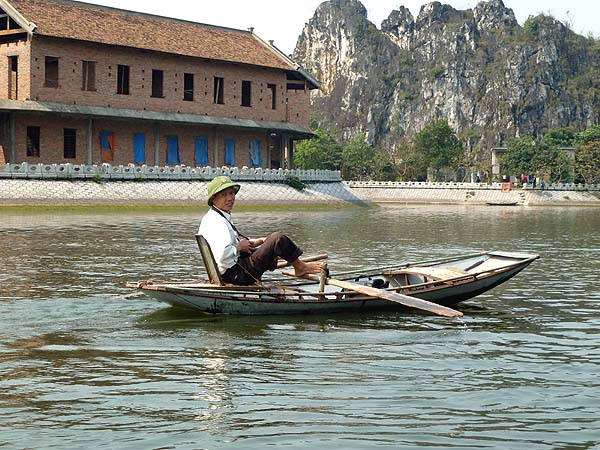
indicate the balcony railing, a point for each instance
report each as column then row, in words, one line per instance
column 107, row 172
column 470, row 186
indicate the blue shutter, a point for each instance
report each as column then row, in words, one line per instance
column 255, row 154
column 229, row 152
column 139, row 148
column 201, row 154
column 172, row 150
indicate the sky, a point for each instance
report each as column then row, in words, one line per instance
column 282, row 21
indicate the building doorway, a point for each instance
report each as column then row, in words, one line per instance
column 13, row 78
column 275, row 151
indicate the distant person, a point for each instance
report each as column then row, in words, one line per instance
column 242, row 260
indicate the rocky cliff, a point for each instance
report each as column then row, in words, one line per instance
column 491, row 78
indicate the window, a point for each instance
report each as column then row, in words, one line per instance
column 7, row 22
column 173, row 150
column 123, row 79
column 201, row 151
column 246, row 93
column 33, row 141
column 218, row 92
column 51, row 74
column 273, row 89
column 139, row 148
column 88, row 76
column 13, row 77
column 157, row 83
column 255, row 154
column 188, row 87
column 107, row 146
column 229, row 152
column 70, row 143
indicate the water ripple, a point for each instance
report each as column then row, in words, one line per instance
column 86, row 364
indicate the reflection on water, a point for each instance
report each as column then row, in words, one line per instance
column 86, row 363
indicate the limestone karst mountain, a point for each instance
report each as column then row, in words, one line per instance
column 490, row 77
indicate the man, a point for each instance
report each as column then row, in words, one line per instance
column 242, row 260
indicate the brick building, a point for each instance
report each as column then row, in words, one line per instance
column 87, row 84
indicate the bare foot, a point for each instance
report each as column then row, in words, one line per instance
column 302, row 268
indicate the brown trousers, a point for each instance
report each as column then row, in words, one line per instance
column 250, row 267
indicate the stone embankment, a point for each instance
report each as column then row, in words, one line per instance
column 476, row 193
column 31, row 184
column 87, row 192
column 164, row 192
column 104, row 184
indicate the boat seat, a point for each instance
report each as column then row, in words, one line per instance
column 210, row 263
column 433, row 273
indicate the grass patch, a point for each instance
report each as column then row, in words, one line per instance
column 158, row 209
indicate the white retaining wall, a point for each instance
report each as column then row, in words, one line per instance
column 89, row 192
column 475, row 193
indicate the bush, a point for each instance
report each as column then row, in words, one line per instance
column 437, row 72
column 295, row 182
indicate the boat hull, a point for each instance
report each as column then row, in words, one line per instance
column 446, row 282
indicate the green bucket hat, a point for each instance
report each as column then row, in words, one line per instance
column 219, row 184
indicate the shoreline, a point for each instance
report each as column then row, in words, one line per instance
column 300, row 208
column 157, row 208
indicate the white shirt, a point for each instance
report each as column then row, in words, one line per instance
column 221, row 237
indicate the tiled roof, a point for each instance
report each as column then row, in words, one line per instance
column 111, row 26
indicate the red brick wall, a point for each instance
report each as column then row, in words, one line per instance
column 22, row 50
column 52, row 139
column 141, row 64
column 299, row 107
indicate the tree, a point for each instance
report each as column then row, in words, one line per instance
column 543, row 158
column 552, row 162
column 530, row 26
column 385, row 167
column 322, row 152
column 587, row 162
column 358, row 159
column 560, row 137
column 587, row 159
column 555, row 161
column 591, row 134
column 519, row 156
column 436, row 146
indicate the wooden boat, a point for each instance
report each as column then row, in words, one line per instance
column 443, row 282
column 502, row 203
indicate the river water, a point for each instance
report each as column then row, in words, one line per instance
column 87, row 363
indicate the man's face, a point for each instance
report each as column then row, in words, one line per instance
column 225, row 199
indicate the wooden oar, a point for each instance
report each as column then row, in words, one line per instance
column 394, row 297
column 284, row 263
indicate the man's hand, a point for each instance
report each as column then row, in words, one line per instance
column 245, row 246
column 258, row 241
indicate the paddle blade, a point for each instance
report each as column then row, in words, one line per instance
column 407, row 300
column 395, row 297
